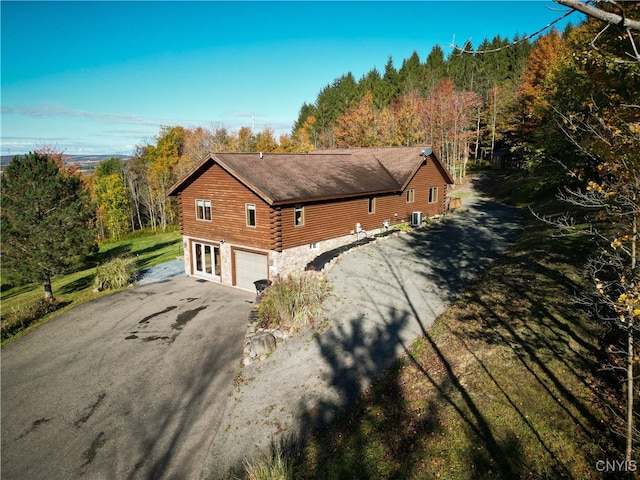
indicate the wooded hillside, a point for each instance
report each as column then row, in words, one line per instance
column 460, row 104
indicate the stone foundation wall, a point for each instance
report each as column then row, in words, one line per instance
column 296, row 259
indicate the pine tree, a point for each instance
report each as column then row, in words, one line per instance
column 48, row 220
column 412, row 74
column 435, row 67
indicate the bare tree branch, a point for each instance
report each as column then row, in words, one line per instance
column 607, row 17
column 526, row 38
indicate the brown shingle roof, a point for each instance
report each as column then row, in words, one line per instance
column 326, row 174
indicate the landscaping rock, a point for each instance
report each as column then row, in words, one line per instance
column 253, row 316
column 263, row 343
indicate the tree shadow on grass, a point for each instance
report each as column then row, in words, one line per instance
column 111, row 253
column 125, row 249
column 77, row 285
column 383, row 434
column 502, row 387
column 157, row 247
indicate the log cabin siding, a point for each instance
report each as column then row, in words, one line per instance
column 228, row 210
column 426, row 177
column 330, row 219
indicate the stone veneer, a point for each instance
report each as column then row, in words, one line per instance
column 296, row 259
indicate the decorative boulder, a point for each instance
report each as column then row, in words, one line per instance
column 263, row 343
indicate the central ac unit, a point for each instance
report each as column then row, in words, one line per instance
column 416, row 219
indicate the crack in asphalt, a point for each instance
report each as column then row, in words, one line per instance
column 34, row 426
column 89, row 455
column 91, row 410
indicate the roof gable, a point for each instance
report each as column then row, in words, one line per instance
column 325, row 174
column 401, row 162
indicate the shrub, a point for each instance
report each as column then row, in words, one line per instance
column 20, row 319
column 403, row 227
column 294, row 301
column 116, row 273
column 275, row 466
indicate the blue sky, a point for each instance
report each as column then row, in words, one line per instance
column 101, row 77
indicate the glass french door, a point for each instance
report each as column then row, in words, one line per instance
column 206, row 260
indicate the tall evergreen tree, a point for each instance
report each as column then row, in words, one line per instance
column 434, row 67
column 48, row 220
column 411, row 74
column 391, row 81
column 461, row 68
column 334, row 100
column 373, row 82
column 307, row 110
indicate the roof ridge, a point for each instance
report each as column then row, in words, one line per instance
column 384, row 167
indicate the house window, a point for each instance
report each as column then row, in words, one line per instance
column 372, row 204
column 251, row 214
column 410, row 195
column 298, row 215
column 433, row 194
column 203, row 210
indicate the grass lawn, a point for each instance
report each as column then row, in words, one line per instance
column 505, row 385
column 75, row 288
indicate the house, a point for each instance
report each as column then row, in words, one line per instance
column 504, row 158
column 251, row 216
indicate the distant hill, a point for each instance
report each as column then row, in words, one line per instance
column 86, row 163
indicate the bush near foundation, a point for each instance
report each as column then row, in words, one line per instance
column 116, row 273
column 294, row 301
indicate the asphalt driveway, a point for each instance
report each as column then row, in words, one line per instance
column 130, row 386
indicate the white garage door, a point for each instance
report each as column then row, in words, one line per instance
column 249, row 268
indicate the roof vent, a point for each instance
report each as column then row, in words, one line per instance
column 260, row 154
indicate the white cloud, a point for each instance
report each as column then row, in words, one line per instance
column 57, row 110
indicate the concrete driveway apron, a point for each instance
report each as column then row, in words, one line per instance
column 129, row 386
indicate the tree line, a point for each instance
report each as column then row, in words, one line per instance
column 132, row 195
column 465, row 106
column 456, row 104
